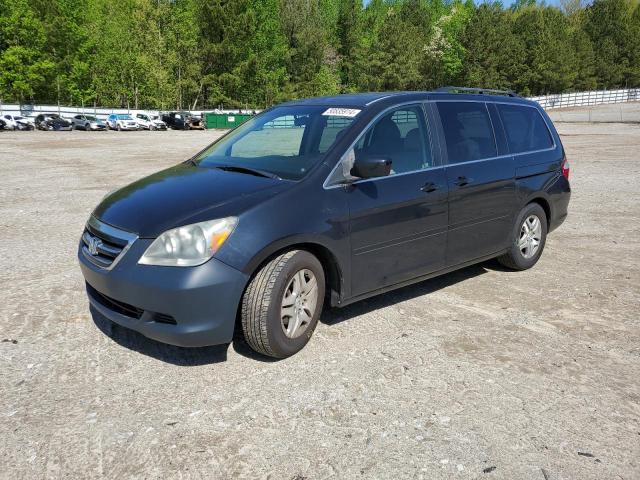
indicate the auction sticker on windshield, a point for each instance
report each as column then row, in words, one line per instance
column 341, row 112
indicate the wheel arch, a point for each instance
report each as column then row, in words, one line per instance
column 333, row 270
column 546, row 206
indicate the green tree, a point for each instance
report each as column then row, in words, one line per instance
column 494, row 55
column 349, row 31
column 313, row 64
column 23, row 67
column 549, row 58
column 610, row 28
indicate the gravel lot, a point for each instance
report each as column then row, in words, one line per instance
column 482, row 373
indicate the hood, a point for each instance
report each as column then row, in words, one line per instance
column 182, row 195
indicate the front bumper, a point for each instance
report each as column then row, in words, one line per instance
column 184, row 306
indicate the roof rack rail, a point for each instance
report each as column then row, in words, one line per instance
column 479, row 91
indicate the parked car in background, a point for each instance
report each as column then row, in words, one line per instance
column 52, row 121
column 122, row 121
column 87, row 122
column 18, row 122
column 150, row 122
column 3, row 124
column 182, row 121
column 325, row 200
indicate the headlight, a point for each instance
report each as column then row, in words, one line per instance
column 189, row 245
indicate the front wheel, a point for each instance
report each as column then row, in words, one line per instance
column 119, row 127
column 528, row 239
column 282, row 304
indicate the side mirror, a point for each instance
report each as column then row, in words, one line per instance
column 371, row 167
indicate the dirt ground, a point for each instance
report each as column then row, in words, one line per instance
column 482, row 373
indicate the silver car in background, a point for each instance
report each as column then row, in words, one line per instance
column 87, row 122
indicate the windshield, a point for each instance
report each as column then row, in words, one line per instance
column 124, row 117
column 285, row 141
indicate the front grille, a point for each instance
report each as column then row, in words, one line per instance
column 106, row 251
column 103, row 245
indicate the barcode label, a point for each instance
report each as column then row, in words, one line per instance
column 341, row 112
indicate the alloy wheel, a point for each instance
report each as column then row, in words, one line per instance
column 530, row 236
column 299, row 303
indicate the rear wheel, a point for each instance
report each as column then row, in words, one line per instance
column 282, row 304
column 528, row 239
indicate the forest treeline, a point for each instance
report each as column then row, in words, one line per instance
column 197, row 54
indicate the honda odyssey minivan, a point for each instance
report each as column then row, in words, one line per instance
column 324, row 202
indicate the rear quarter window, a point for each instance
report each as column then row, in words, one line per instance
column 525, row 128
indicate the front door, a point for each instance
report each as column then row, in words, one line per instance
column 399, row 222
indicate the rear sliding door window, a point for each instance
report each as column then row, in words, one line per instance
column 526, row 130
column 467, row 131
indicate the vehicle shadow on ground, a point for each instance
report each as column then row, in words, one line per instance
column 184, row 357
column 207, row 355
column 338, row 315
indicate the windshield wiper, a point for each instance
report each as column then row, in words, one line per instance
column 250, row 171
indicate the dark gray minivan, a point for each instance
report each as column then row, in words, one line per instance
column 325, row 201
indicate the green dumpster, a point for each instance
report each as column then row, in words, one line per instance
column 225, row 120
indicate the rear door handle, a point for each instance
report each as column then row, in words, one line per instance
column 429, row 187
column 463, row 181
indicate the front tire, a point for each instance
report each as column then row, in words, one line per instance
column 119, row 128
column 527, row 239
column 282, row 304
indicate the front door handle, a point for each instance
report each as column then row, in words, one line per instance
column 429, row 187
column 463, row 181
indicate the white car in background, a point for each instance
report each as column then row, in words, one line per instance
column 150, row 122
column 121, row 121
column 18, row 122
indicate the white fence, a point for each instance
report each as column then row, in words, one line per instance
column 99, row 112
column 584, row 99
column 548, row 102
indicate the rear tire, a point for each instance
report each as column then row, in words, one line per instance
column 282, row 304
column 527, row 239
